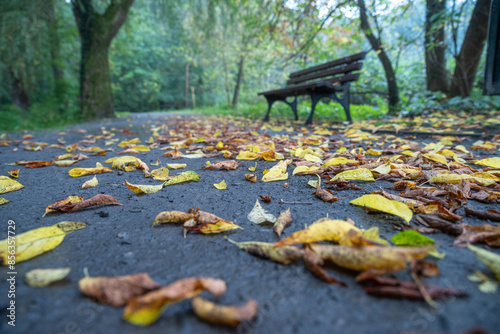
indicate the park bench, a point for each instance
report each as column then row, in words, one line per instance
column 330, row 80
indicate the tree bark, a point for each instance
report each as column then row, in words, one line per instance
column 55, row 53
column 238, row 81
column 376, row 44
column 96, row 33
column 435, row 63
column 20, row 97
column 471, row 50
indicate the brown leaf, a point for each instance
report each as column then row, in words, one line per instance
column 227, row 165
column 224, row 315
column 166, row 217
column 424, row 268
column 284, row 219
column 37, row 164
column 341, row 184
column 117, row 291
column 266, row 199
column 314, row 263
column 100, row 199
column 493, row 215
column 486, row 233
column 325, row 195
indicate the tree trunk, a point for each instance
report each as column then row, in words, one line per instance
column 376, row 44
column 55, row 53
column 238, row 81
column 435, row 63
column 471, row 50
column 186, row 88
column 20, row 97
column 96, row 33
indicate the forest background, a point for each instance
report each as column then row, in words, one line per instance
column 67, row 61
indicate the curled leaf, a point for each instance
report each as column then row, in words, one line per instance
column 144, row 188
column 76, row 172
column 100, row 199
column 90, row 183
column 37, row 278
column 284, row 219
column 490, row 259
column 270, row 251
column 277, row 172
column 167, row 217
column 224, row 165
column 224, row 315
column 260, row 216
column 68, row 200
column 251, row 177
column 183, row 177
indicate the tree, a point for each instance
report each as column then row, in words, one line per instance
column 97, row 30
column 435, row 61
column 376, row 43
column 471, row 50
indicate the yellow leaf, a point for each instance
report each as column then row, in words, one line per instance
column 76, row 172
column 7, row 184
column 409, row 153
column 489, row 162
column 270, row 251
column 304, row 169
column 251, row 177
column 361, row 174
column 252, row 169
column 394, row 158
column 217, row 227
column 436, row 158
column 126, row 163
column 383, row 169
column 450, row 178
column 143, row 188
column 160, row 174
column 461, row 148
column 224, row 315
column 3, row 201
column 140, row 148
column 90, row 183
column 447, row 153
column 37, row 278
column 277, row 172
column 126, row 143
column 176, row 166
column 373, row 152
column 380, row 203
column 183, row 177
column 166, row 217
column 247, row 155
column 490, row 259
column 38, row 241
column 64, row 163
column 221, row 185
column 338, row 161
column 312, row 158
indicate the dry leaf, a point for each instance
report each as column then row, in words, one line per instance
column 76, row 172
column 489, row 162
column 38, row 278
column 68, row 200
column 7, row 184
column 277, row 172
column 90, row 183
column 126, row 163
column 14, row 173
column 146, row 309
column 314, row 263
column 37, row 164
column 269, row 251
column 284, row 219
column 100, row 199
column 260, row 216
column 218, row 227
column 224, row 315
column 143, row 188
column 265, row 199
column 117, row 291
column 251, row 177
column 221, row 185
column 160, row 174
column 247, row 155
column 225, row 165
column 360, row 174
column 182, row 177
column 380, row 203
column 38, row 241
column 324, row 194
column 176, row 166
column 64, row 163
column 338, row 161
column 167, row 217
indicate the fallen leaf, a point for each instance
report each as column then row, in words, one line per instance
column 38, row 278
column 77, row 172
column 361, row 174
column 143, row 188
column 338, row 161
column 167, row 217
column 486, row 284
column 436, row 157
column 277, row 172
column 284, row 219
column 160, row 174
column 247, row 155
column 38, row 241
column 450, row 178
column 260, row 216
column 489, row 162
column 14, row 173
column 380, row 203
column 224, row 315
column 146, row 309
column 314, row 263
column 411, row 238
column 486, row 233
column 100, row 199
column 176, row 166
column 7, row 184
column 90, row 183
column 251, row 177
column 183, row 177
column 325, row 195
column 252, row 169
column 224, row 165
column 221, row 185
column 270, row 251
column 68, row 200
column 37, row 164
column 217, row 227
column 265, row 199
column 493, row 215
column 64, row 163
column 126, row 163
column 117, row 291
column 304, row 170
column 3, row 201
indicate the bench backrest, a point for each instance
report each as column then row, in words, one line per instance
column 335, row 69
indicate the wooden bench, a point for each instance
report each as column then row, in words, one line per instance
column 326, row 80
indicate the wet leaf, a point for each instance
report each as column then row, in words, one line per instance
column 270, row 251
column 93, row 182
column 143, row 188
column 284, row 219
column 38, row 278
column 77, row 172
column 167, row 217
column 224, row 315
column 260, row 216
column 100, row 199
column 182, row 177
column 146, row 309
column 117, row 291
column 38, row 241
column 380, row 203
column 277, row 172
column 221, row 185
column 224, row 165
column 7, row 184
column 14, row 173
column 361, row 174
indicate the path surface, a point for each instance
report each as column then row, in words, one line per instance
column 119, row 240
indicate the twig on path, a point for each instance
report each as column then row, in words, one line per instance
column 285, row 202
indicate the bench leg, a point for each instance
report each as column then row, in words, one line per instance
column 346, row 101
column 271, row 100
column 315, row 98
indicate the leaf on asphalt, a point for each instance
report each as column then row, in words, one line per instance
column 183, row 177
column 7, row 184
column 90, row 183
column 247, row 155
column 38, row 241
column 68, row 200
column 304, row 170
column 370, row 257
column 252, row 169
column 450, row 178
column 160, row 174
column 77, row 172
column 100, row 199
column 266, row 199
column 486, row 284
column 143, row 188
column 146, row 309
column 117, row 291
column 221, row 185
column 126, row 163
column 167, row 217
column 324, row 229
column 270, row 251
column 436, row 157
column 380, row 203
column 393, row 288
column 38, row 278
column 325, row 195
column 14, row 173
column 411, row 238
column 260, row 216
column 485, row 233
column 277, row 172
column 284, row 219
column 3, row 201
column 338, row 161
column 360, row 174
column 489, row 162
column 217, row 227
column 493, row 215
column 224, row 315
column 224, row 165
column 64, row 163
column 37, row 164
column 176, row 166
column 382, row 169
column 314, row 263
column 251, row 177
